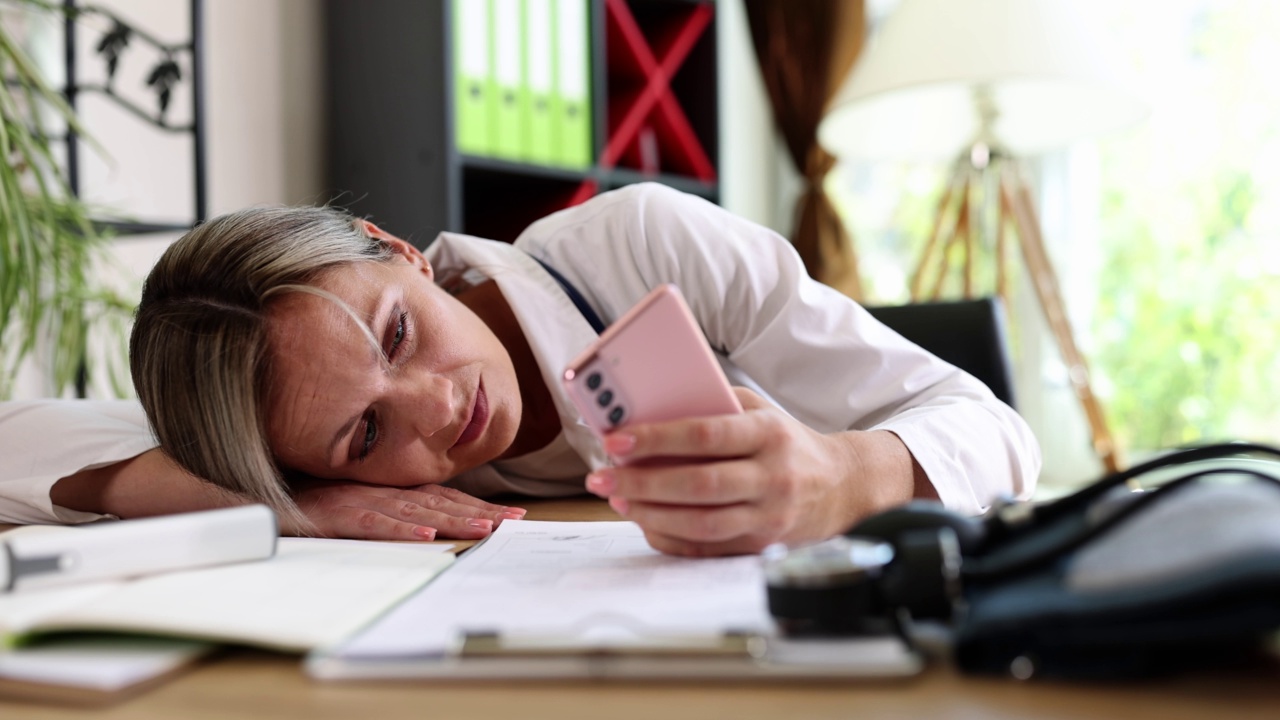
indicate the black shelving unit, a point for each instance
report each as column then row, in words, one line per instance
column 393, row 157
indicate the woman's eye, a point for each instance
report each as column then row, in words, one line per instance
column 370, row 437
column 399, row 336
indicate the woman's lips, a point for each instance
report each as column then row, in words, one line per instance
column 479, row 418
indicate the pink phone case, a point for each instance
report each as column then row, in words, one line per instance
column 653, row 364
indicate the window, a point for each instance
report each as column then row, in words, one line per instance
column 1166, row 238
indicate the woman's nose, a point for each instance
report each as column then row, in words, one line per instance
column 429, row 403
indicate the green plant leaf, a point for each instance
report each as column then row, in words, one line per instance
column 49, row 297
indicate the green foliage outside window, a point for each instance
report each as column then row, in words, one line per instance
column 1184, row 341
column 52, row 304
column 1187, row 329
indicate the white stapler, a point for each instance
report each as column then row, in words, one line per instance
column 130, row 548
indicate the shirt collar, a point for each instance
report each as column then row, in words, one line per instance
column 557, row 332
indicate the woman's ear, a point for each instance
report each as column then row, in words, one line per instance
column 400, row 247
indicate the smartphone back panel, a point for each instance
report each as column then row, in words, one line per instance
column 653, row 364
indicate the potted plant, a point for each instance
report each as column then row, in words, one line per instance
column 51, row 300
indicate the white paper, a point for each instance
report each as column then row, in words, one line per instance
column 473, row 19
column 312, row 593
column 508, row 41
column 422, row 547
column 538, row 49
column 586, row 583
column 572, row 40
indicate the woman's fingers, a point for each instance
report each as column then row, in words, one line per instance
column 462, row 498
column 702, row 437
column 700, row 525
column 362, row 523
column 365, row 512
column 715, row 436
column 707, row 483
column 449, row 519
column 749, row 399
column 456, row 503
column 673, row 545
column 720, row 485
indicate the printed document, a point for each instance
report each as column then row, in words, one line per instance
column 576, row 584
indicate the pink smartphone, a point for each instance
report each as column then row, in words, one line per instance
column 653, row 364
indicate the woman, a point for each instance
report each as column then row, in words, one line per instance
column 314, row 362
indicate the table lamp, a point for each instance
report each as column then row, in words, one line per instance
column 984, row 82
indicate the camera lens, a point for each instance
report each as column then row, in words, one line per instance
column 616, row 415
column 605, row 398
column 594, row 380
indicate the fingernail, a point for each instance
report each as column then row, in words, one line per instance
column 619, row 444
column 425, row 533
column 515, row 513
column 512, row 515
column 601, row 482
column 619, row 505
column 480, row 524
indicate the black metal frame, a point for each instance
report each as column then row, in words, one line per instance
column 162, row 78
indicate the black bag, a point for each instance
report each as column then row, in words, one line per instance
column 1109, row 582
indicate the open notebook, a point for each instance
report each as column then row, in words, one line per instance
column 312, row 594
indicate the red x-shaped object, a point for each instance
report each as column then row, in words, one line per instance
column 651, row 100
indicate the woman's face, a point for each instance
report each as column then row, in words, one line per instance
column 437, row 396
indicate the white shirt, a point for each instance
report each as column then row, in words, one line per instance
column 812, row 351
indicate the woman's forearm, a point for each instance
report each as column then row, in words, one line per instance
column 152, row 484
column 143, row 486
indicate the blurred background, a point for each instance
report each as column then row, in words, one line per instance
column 1159, row 209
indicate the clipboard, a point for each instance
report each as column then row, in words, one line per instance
column 733, row 658
column 591, row 600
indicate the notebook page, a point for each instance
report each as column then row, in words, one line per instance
column 312, row 593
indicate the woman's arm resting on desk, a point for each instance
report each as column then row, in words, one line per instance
column 152, row 484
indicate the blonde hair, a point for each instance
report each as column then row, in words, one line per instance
column 199, row 349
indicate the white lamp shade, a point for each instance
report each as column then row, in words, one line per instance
column 911, row 95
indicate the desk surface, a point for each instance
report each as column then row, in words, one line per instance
column 245, row 683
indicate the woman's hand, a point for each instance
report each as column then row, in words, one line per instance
column 750, row 480
column 374, row 512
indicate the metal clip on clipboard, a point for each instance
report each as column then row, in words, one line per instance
column 730, row 656
column 491, row 644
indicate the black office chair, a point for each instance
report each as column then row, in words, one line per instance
column 969, row 334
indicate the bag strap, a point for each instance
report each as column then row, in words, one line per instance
column 1051, row 531
column 578, row 301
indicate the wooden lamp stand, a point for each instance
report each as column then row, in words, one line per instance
column 953, row 247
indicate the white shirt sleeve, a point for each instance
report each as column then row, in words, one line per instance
column 816, row 353
column 43, row 441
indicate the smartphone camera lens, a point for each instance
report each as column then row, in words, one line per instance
column 616, row 415
column 605, row 398
column 594, row 380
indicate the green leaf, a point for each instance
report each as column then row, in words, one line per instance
column 49, row 297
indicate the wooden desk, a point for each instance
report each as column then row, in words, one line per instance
column 250, row 684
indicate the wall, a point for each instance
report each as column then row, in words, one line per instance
column 264, row 113
column 751, row 175
column 265, row 116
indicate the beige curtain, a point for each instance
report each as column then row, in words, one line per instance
column 805, row 49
